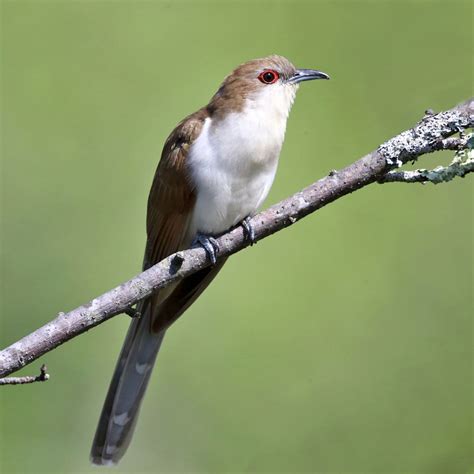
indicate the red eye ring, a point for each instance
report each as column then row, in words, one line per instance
column 268, row 76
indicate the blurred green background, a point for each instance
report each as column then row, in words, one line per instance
column 342, row 344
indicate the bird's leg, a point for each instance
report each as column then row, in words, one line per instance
column 209, row 244
column 249, row 230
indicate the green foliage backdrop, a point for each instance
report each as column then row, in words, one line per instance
column 343, row 344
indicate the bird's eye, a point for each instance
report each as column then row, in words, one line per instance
column 269, row 76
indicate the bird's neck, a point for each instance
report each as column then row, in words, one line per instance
column 253, row 129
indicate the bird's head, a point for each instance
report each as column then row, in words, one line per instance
column 267, row 82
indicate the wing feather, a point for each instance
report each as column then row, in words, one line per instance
column 172, row 195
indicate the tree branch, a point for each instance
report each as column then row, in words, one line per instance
column 430, row 134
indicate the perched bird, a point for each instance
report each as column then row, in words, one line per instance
column 216, row 169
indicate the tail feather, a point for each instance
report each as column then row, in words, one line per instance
column 126, row 391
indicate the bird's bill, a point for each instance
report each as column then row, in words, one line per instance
column 307, row 75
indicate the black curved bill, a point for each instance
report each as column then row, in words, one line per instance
column 307, row 75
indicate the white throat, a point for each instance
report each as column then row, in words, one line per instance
column 234, row 160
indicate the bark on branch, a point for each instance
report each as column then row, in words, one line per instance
column 430, row 134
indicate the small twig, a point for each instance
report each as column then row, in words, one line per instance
column 440, row 174
column 462, row 164
column 42, row 377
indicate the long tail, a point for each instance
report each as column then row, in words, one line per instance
column 126, row 391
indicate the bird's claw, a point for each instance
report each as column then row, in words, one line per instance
column 249, row 230
column 209, row 244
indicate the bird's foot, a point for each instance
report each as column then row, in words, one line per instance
column 210, row 245
column 249, row 230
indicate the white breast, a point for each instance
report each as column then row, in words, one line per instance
column 233, row 161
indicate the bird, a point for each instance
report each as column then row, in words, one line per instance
column 216, row 169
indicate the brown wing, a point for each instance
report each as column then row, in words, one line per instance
column 171, row 201
column 172, row 195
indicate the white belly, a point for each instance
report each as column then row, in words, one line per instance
column 233, row 165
